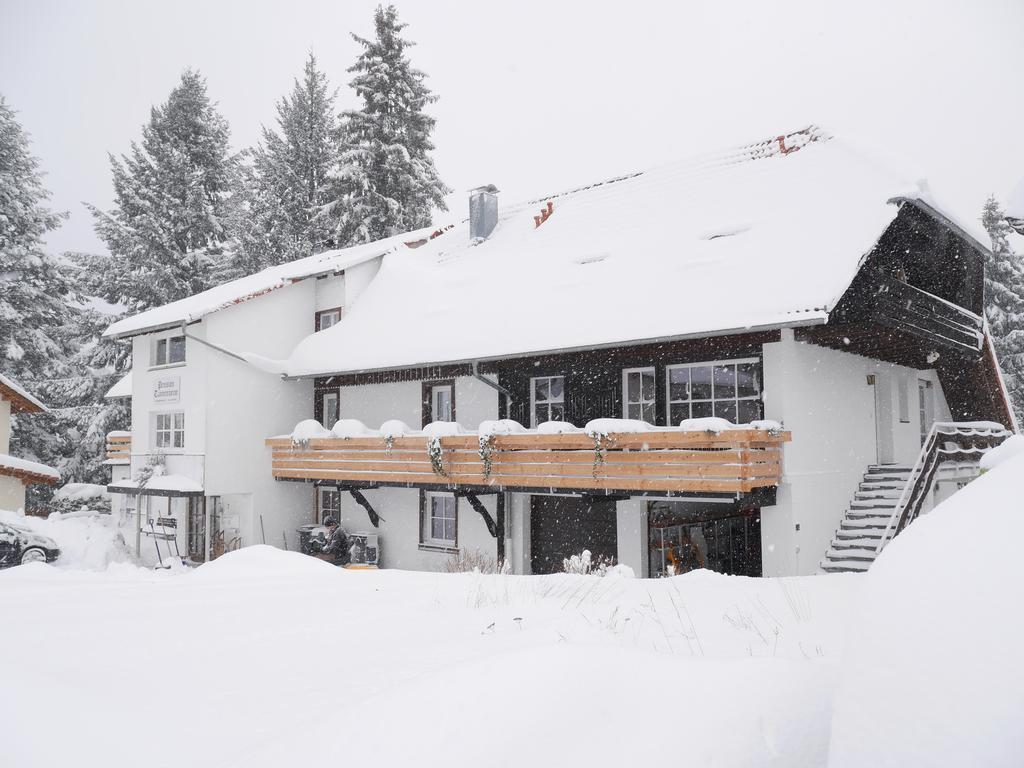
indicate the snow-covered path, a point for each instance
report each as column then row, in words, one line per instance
column 266, row 658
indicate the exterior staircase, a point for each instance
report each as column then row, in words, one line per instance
column 855, row 545
column 891, row 497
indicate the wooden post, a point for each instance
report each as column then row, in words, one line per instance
column 499, row 513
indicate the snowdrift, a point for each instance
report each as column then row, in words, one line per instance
column 933, row 675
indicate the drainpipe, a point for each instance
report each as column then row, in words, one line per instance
column 506, row 500
column 495, row 385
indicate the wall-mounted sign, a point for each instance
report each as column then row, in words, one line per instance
column 167, row 390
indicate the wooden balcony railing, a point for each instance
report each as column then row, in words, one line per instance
column 119, row 447
column 734, row 461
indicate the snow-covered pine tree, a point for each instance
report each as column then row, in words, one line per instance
column 33, row 285
column 166, row 231
column 385, row 181
column 281, row 185
column 1004, row 302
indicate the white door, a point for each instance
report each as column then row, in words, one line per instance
column 926, row 407
column 884, row 415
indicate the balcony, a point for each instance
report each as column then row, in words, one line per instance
column 669, row 461
column 119, row 447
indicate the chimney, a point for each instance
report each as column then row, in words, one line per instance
column 483, row 211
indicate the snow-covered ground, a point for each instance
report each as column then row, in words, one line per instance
column 269, row 658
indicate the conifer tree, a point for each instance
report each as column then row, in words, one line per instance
column 166, row 230
column 281, row 186
column 33, row 285
column 1004, row 302
column 385, row 181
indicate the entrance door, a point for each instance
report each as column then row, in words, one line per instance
column 196, row 530
column 563, row 526
column 926, row 407
column 884, row 415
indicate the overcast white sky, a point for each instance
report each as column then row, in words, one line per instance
column 538, row 95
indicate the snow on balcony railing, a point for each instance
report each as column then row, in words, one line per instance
column 705, row 455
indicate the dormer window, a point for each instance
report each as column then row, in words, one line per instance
column 327, row 318
column 169, row 351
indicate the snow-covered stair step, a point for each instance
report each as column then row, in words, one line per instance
column 878, row 493
column 882, row 485
column 855, row 544
column 867, row 554
column 845, row 544
column 844, row 566
column 873, row 504
column 858, row 535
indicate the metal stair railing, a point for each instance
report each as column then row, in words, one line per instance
column 970, row 440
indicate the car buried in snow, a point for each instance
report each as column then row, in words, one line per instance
column 20, row 545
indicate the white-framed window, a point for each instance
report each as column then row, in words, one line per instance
column 169, row 350
column 329, row 503
column 329, row 409
column 729, row 389
column 547, row 399
column 328, row 317
column 440, row 521
column 441, row 402
column 638, row 390
column 169, row 430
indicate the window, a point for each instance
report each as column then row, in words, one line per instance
column 329, row 409
column 169, row 431
column 438, row 401
column 327, row 318
column 440, row 521
column 638, row 394
column 729, row 389
column 547, row 399
column 169, row 351
column 330, row 504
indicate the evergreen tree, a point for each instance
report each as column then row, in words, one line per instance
column 33, row 285
column 281, row 185
column 384, row 181
column 166, row 231
column 1004, row 302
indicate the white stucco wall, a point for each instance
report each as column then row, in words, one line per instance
column 399, row 529
column 5, row 426
column 357, row 278
column 245, row 406
column 631, row 532
column 12, row 493
column 330, row 292
column 823, row 397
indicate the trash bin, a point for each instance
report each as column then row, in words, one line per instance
column 312, row 538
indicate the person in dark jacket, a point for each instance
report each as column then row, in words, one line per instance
column 336, row 550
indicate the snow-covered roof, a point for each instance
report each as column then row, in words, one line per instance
column 21, row 400
column 123, row 388
column 767, row 235
column 236, row 291
column 32, row 471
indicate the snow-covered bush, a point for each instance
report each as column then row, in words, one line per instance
column 585, row 564
column 475, row 561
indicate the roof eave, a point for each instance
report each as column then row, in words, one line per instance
column 811, row 321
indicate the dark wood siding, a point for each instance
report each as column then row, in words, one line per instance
column 593, row 379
